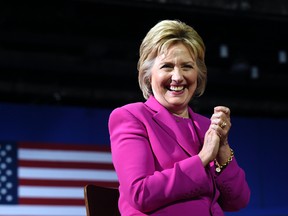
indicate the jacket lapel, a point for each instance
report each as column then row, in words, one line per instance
column 168, row 122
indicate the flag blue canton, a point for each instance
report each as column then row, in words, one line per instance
column 8, row 173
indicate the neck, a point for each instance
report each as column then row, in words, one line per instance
column 184, row 114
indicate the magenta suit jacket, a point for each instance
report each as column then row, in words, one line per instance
column 160, row 172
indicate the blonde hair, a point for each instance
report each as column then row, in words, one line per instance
column 158, row 40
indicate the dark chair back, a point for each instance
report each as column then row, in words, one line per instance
column 101, row 201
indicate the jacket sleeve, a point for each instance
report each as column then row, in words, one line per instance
column 233, row 187
column 145, row 188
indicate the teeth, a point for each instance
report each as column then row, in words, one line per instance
column 176, row 88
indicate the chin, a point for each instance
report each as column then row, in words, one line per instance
column 177, row 102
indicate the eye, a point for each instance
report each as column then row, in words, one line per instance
column 166, row 66
column 188, row 66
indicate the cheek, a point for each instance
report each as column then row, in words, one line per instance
column 156, row 85
column 158, row 79
column 192, row 82
column 193, row 78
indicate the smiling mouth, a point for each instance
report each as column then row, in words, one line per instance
column 176, row 88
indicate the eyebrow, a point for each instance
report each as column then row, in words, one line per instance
column 182, row 62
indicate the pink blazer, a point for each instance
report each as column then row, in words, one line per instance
column 159, row 171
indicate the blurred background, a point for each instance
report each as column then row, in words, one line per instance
column 65, row 65
column 84, row 53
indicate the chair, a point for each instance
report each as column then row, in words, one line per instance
column 101, row 201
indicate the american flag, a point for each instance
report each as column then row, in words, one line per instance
column 44, row 179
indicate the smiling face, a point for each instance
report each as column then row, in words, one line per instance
column 174, row 79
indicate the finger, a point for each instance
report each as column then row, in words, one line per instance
column 220, row 119
column 216, row 129
column 215, row 120
column 224, row 109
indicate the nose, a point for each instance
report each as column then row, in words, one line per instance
column 177, row 75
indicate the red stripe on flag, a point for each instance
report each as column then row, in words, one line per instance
column 54, row 201
column 54, row 146
column 68, row 165
column 65, row 183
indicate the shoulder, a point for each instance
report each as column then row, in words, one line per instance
column 134, row 107
column 137, row 110
column 129, row 108
column 128, row 116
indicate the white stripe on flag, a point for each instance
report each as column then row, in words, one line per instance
column 66, row 174
column 51, row 192
column 33, row 210
column 64, row 155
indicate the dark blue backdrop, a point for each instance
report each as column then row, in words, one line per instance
column 260, row 145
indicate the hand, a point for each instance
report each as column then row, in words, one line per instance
column 210, row 147
column 221, row 123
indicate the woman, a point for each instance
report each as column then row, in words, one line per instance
column 169, row 159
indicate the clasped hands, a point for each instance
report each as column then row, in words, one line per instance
column 216, row 138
